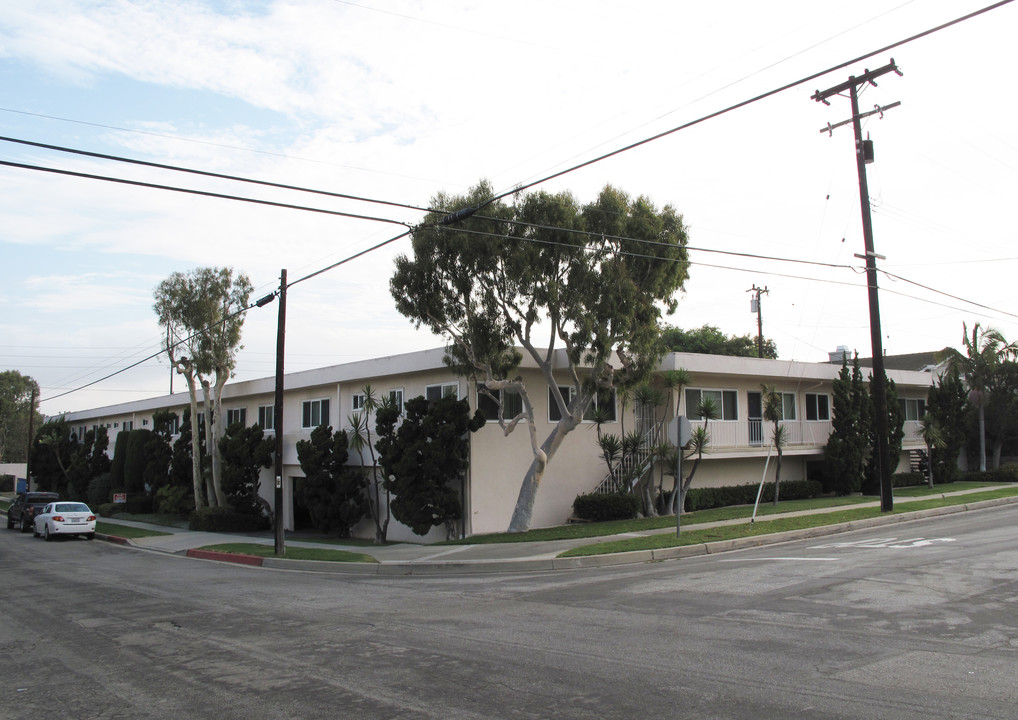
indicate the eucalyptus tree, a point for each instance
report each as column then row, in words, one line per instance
column 540, row 274
column 19, row 401
column 202, row 315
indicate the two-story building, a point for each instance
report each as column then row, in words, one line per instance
column 739, row 438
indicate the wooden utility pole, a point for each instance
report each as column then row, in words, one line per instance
column 864, row 155
column 277, row 420
column 756, row 307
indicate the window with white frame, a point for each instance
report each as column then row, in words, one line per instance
column 236, row 415
column 788, row 406
column 358, row 401
column 267, row 417
column 488, row 400
column 174, row 424
column 725, row 402
column 144, row 422
column 128, row 424
column 604, row 400
column 818, row 407
column 437, row 392
column 396, row 398
column 315, row 413
column 912, row 408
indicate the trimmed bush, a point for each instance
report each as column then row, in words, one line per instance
column 174, row 500
column 1003, row 474
column 6, row 483
column 138, row 504
column 600, row 507
column 100, row 490
column 108, row 509
column 221, row 519
column 908, row 479
column 706, row 498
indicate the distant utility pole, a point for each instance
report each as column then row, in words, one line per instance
column 754, row 306
column 864, row 155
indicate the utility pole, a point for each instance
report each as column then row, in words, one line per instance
column 277, row 419
column 755, row 306
column 864, row 155
column 31, row 430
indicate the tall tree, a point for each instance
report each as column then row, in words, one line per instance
column 360, row 440
column 846, row 451
column 202, row 313
column 946, row 403
column 333, row 493
column 985, row 349
column 245, row 451
column 490, row 284
column 423, row 457
column 774, row 412
column 63, row 464
column 709, row 340
column 16, row 407
column 895, row 435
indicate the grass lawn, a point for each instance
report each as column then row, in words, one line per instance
column 126, row 531
column 599, row 529
column 292, row 553
column 732, row 532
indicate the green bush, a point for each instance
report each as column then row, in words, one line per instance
column 138, row 504
column 108, row 509
column 706, row 498
column 221, row 519
column 174, row 500
column 100, row 490
column 908, row 479
column 6, row 483
column 1003, row 474
column 600, row 507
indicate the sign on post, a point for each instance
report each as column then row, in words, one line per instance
column 679, row 431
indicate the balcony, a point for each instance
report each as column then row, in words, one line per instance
column 735, row 435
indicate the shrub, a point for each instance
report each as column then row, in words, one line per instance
column 706, row 498
column 108, row 509
column 908, row 479
column 6, row 483
column 137, row 504
column 100, row 490
column 222, row 519
column 606, row 506
column 1003, row 474
column 174, row 500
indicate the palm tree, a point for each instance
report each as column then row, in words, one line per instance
column 360, row 439
column 699, row 441
column 931, row 434
column 985, row 349
column 774, row 412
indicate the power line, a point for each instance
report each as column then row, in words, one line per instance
column 204, row 193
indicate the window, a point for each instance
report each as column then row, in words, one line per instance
column 788, row 406
column 725, row 402
column 359, row 400
column 267, row 417
column 174, row 425
column 818, row 407
column 396, row 398
column 912, row 408
column 512, row 406
column 128, row 424
column 436, row 392
column 236, row 415
column 116, row 425
column 144, row 422
column 315, row 413
column 604, row 400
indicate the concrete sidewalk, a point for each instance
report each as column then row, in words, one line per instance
column 412, row 559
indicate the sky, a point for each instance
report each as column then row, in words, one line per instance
column 400, row 100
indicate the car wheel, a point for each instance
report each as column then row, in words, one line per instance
column 24, row 525
column 46, row 533
column 10, row 523
column 90, row 536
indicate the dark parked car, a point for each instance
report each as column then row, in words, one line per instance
column 26, row 506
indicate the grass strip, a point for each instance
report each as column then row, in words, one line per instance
column 615, row 527
column 733, row 532
column 126, row 531
column 292, row 552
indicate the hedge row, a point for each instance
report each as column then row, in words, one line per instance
column 221, row 519
column 601, row 507
column 706, row 498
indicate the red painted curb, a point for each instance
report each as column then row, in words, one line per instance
column 112, row 538
column 226, row 557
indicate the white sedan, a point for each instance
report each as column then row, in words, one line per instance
column 65, row 518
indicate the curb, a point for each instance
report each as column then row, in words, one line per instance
column 573, row 563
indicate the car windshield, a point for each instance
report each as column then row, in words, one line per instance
column 71, row 507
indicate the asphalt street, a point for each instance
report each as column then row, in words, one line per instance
column 911, row 620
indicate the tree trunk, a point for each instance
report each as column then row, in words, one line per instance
column 210, row 489
column 929, row 463
column 192, row 391
column 524, row 509
column 217, row 433
column 777, row 478
column 982, row 439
